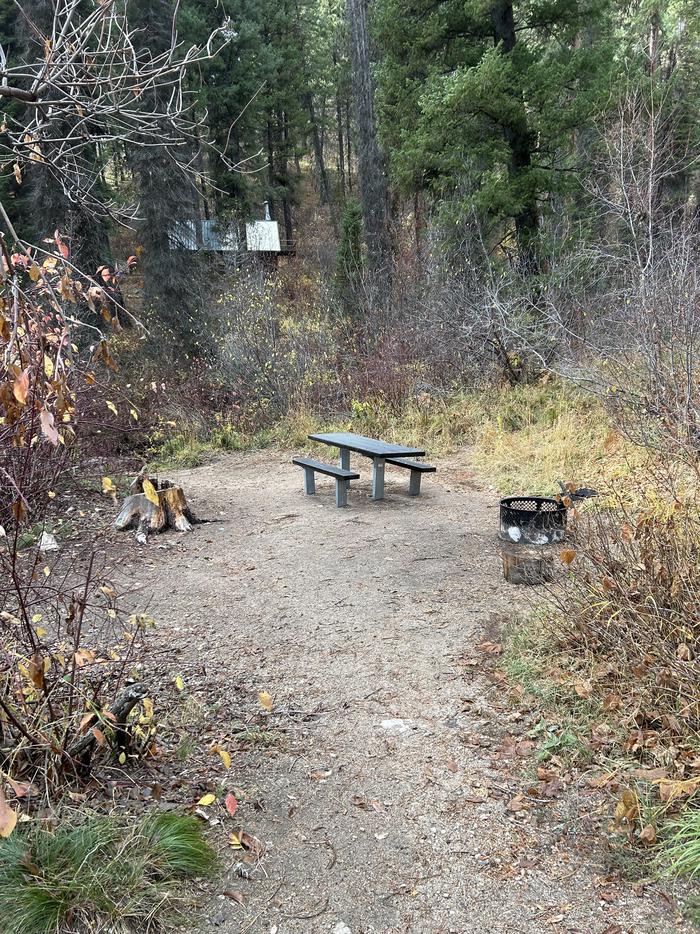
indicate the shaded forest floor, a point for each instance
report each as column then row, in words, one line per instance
column 391, row 783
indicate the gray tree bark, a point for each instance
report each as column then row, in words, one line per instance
column 371, row 167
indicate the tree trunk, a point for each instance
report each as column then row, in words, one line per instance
column 373, row 181
column 348, row 137
column 320, row 162
column 284, row 180
column 520, row 140
column 341, row 146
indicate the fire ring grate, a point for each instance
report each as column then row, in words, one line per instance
column 532, row 520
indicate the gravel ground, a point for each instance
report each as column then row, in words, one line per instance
column 392, row 803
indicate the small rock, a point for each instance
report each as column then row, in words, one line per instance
column 341, row 928
column 396, row 726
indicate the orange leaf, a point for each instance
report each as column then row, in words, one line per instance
column 21, row 387
column 231, row 804
column 567, row 555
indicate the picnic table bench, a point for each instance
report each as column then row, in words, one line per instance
column 380, row 453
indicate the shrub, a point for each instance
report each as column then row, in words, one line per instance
column 632, row 600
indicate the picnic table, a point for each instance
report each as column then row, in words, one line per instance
column 378, row 451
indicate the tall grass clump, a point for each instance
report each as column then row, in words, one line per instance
column 106, row 873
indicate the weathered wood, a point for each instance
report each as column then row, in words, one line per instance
column 81, row 752
column 141, row 513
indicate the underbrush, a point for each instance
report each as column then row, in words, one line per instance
column 106, row 873
column 613, row 664
column 522, row 438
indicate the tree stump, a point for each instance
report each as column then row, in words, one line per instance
column 154, row 506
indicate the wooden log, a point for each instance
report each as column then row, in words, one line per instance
column 81, row 752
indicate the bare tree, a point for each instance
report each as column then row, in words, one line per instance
column 94, row 87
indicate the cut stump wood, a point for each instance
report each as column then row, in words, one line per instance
column 141, row 512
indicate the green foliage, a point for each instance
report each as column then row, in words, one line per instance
column 103, row 871
column 485, row 127
column 679, row 854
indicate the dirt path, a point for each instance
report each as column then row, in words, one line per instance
column 386, row 808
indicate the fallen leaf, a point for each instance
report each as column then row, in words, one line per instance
column 249, row 842
column 265, row 700
column 583, row 689
column 150, row 492
column 517, row 804
column 8, row 817
column 611, row 701
column 108, row 485
column 206, row 800
column 231, row 804
column 567, row 555
column 648, row 835
column 234, row 896
column 490, row 648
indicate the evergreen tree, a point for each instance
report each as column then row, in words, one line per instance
column 480, row 102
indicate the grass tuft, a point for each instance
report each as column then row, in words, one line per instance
column 679, row 852
column 105, row 871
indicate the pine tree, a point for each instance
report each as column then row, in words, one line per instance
column 480, row 102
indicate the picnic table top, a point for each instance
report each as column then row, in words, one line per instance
column 371, row 447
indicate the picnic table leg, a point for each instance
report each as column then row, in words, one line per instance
column 345, row 459
column 414, row 483
column 341, row 492
column 378, row 478
column 309, row 481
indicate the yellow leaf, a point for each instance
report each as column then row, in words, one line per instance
column 112, row 407
column 34, row 272
column 179, row 683
column 47, row 571
column 37, row 618
column 150, row 492
column 122, row 758
column 134, row 414
column 224, row 756
column 265, row 700
column 207, row 800
column 48, row 366
column 235, row 841
column 51, row 494
column 108, row 485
